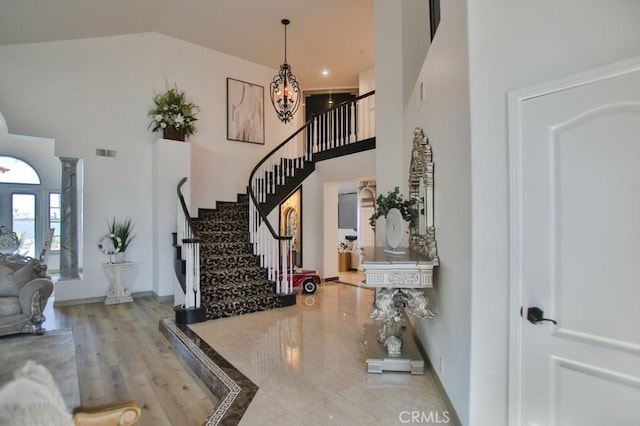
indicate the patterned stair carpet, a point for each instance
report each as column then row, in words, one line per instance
column 231, row 279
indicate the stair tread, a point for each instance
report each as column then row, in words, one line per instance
column 258, row 297
column 248, row 283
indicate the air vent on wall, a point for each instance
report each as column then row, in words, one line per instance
column 105, row 152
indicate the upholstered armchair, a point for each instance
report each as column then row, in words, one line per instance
column 24, row 290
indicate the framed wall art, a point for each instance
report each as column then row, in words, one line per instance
column 245, row 111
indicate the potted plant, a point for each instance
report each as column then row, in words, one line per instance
column 395, row 200
column 123, row 229
column 173, row 114
column 395, row 209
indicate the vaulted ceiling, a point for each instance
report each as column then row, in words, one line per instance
column 336, row 35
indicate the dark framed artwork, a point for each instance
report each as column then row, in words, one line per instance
column 245, row 111
column 291, row 223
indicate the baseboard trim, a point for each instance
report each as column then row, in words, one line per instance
column 331, row 279
column 85, row 301
column 453, row 416
column 88, row 300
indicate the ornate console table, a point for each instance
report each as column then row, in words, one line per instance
column 399, row 281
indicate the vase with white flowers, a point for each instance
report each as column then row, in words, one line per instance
column 173, row 114
column 396, row 210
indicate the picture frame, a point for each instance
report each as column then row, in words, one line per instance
column 245, row 111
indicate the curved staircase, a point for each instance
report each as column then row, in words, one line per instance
column 230, row 257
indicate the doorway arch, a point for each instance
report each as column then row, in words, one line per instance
column 20, row 200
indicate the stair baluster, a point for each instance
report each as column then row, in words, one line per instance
column 190, row 311
column 281, row 171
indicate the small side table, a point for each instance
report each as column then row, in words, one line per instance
column 117, row 274
column 344, row 261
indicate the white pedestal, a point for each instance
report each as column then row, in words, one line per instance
column 117, row 274
column 171, row 163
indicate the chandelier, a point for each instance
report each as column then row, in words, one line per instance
column 285, row 92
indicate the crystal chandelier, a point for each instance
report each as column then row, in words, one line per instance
column 285, row 91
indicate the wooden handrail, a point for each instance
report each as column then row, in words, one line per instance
column 185, row 210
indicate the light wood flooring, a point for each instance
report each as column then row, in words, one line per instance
column 121, row 354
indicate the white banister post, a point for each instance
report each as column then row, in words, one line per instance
column 284, row 275
column 290, row 256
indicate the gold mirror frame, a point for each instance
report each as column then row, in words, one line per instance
column 422, row 239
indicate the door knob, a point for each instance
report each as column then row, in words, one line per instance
column 535, row 315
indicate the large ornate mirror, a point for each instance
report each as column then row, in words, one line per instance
column 422, row 238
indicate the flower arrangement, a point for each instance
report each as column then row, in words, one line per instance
column 122, row 229
column 172, row 112
column 394, row 199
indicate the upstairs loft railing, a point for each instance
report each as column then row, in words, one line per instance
column 187, row 238
column 337, row 129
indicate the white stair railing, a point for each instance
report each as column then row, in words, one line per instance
column 344, row 125
column 190, row 253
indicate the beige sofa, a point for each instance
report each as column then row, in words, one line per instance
column 24, row 290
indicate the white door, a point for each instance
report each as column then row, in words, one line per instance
column 576, row 239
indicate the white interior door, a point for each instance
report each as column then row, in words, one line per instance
column 576, row 239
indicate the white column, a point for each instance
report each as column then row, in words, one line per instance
column 69, row 220
column 171, row 162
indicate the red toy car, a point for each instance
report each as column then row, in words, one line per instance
column 307, row 279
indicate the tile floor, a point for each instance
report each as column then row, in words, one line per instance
column 352, row 277
column 309, row 363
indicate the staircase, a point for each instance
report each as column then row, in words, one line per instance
column 233, row 272
column 232, row 282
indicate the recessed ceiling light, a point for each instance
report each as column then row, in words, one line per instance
column 325, row 72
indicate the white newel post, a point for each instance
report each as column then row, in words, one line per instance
column 171, row 163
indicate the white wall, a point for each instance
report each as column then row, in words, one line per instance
column 320, row 208
column 444, row 116
column 416, row 39
column 96, row 93
column 390, row 100
column 312, row 224
column 366, row 81
column 514, row 45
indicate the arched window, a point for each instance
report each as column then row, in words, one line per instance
column 14, row 170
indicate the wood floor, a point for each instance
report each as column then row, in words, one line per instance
column 121, row 354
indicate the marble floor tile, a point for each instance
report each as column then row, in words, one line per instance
column 308, row 362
